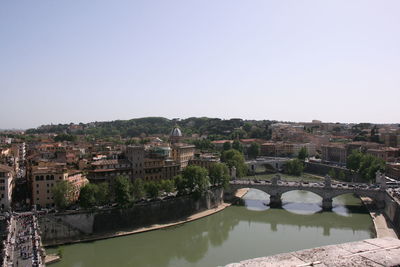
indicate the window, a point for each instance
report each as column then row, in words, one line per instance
column 37, row 185
column 37, row 192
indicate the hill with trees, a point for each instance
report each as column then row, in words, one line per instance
column 214, row 128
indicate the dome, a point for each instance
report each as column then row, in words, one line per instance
column 176, row 132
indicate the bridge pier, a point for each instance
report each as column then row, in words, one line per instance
column 327, row 204
column 275, row 201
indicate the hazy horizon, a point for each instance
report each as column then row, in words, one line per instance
column 69, row 61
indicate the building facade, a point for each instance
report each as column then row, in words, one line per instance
column 7, row 181
column 334, row 153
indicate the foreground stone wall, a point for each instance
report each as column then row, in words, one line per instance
column 369, row 252
column 74, row 226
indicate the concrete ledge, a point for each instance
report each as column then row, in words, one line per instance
column 369, row 252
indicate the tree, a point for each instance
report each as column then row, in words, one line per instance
column 138, row 189
column 227, row 145
column 374, row 134
column 303, row 154
column 369, row 166
column 342, row 175
column 219, row 174
column 167, row 186
column 65, row 137
column 103, row 194
column 365, row 165
column 294, row 167
column 237, row 145
column 254, row 150
column 87, row 196
column 180, row 184
column 354, row 160
column 122, row 190
column 332, row 173
column 152, row 189
column 197, row 179
column 247, row 127
column 203, row 144
column 232, row 158
column 62, row 193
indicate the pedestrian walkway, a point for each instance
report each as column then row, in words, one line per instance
column 23, row 244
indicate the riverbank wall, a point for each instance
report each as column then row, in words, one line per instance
column 392, row 212
column 323, row 169
column 70, row 227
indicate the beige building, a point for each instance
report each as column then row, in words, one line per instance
column 135, row 155
column 393, row 170
column 204, row 160
column 106, row 170
column 182, row 154
column 44, row 178
column 390, row 137
column 386, row 154
column 284, row 149
column 335, row 153
column 7, row 176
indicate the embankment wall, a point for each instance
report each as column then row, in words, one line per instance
column 392, row 212
column 68, row 227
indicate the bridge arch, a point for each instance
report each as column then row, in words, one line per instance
column 304, row 190
column 327, row 192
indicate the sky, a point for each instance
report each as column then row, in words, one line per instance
column 292, row 60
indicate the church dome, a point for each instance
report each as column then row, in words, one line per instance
column 176, row 132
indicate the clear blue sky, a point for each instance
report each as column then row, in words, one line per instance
column 79, row 61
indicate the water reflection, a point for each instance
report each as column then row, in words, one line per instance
column 304, row 202
column 237, row 233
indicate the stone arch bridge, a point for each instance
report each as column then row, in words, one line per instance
column 326, row 190
column 274, row 164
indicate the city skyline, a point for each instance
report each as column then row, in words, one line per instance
column 65, row 62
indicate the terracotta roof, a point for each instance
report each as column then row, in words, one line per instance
column 221, row 141
column 110, row 162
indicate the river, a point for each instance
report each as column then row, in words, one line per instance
column 234, row 234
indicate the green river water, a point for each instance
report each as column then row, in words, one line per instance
column 234, row 234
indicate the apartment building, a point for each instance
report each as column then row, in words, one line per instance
column 7, row 176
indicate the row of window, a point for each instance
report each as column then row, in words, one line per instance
column 48, row 198
column 41, row 177
column 48, row 191
column 48, row 185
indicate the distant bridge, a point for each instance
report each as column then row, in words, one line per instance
column 326, row 190
column 272, row 163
